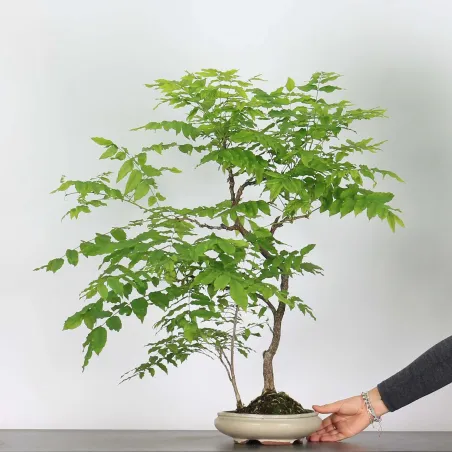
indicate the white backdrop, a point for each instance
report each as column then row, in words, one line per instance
column 71, row 70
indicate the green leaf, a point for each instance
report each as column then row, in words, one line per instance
column 141, row 191
column 360, row 205
column 159, row 299
column 125, row 169
column 226, row 246
column 142, row 158
column 102, row 290
column 311, row 268
column 110, row 152
column 238, row 294
column 290, row 84
column 319, row 189
column 98, row 339
column 151, row 171
column 204, row 314
column 90, row 319
column 347, row 207
column 140, row 308
column 163, row 367
column 102, row 240
column 115, row 285
column 391, row 221
column 307, row 249
column 391, row 174
column 102, row 141
column 152, row 200
column 186, row 148
column 372, row 210
column 74, row 321
column 119, row 234
column 133, row 181
column 335, row 208
column 264, row 207
column 222, row 281
column 190, row 331
column 114, row 323
column 380, row 197
column 72, row 257
column 399, row 221
column 308, row 87
column 55, row 264
column 329, row 88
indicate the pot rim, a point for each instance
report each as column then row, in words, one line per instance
column 265, row 416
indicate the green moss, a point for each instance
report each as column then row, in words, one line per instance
column 274, row 403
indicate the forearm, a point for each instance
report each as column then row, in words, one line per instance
column 428, row 373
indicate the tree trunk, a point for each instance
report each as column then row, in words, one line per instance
column 233, row 379
column 269, row 379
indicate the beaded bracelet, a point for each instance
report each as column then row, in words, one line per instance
column 372, row 415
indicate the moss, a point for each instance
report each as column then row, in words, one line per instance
column 274, row 403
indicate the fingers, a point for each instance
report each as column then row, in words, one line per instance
column 323, row 431
column 332, row 436
column 328, row 408
column 326, row 426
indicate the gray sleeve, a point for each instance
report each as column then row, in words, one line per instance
column 428, row 373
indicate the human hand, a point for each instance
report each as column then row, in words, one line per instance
column 348, row 417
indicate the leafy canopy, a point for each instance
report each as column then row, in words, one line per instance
column 197, row 264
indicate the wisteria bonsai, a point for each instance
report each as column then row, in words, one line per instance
column 221, row 273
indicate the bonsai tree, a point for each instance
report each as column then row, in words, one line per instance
column 221, row 273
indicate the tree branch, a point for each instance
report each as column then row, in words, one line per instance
column 278, row 223
column 221, row 227
column 201, row 225
column 239, row 193
column 231, row 182
column 220, row 356
column 267, row 302
column 239, row 227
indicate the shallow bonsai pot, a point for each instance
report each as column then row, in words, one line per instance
column 267, row 429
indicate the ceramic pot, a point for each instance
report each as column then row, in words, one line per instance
column 267, row 429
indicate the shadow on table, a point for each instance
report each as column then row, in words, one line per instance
column 333, row 447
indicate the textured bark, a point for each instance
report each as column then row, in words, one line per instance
column 269, row 378
column 233, row 379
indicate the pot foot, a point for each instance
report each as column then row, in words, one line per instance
column 277, row 442
column 240, row 441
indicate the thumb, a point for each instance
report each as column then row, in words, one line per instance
column 328, row 408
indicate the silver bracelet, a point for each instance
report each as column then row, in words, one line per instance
column 370, row 409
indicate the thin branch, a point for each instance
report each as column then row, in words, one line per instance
column 239, row 227
column 234, row 331
column 221, row 227
column 278, row 223
column 226, row 359
column 129, row 200
column 220, row 356
column 267, row 302
column 201, row 225
column 239, row 193
column 231, row 182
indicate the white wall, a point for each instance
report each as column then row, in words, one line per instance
column 71, row 70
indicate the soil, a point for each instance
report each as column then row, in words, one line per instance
column 273, row 403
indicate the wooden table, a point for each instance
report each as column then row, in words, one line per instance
column 204, row 441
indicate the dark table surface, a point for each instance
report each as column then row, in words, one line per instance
column 204, row 441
